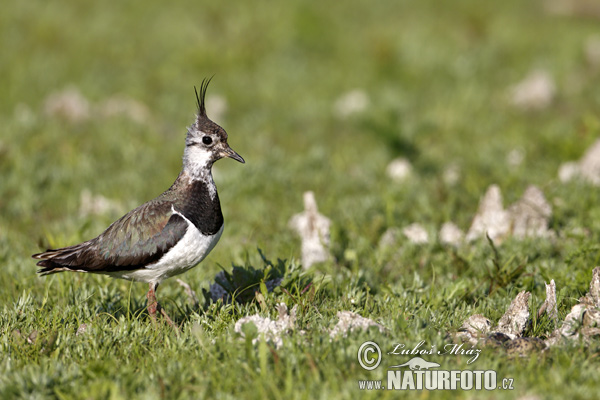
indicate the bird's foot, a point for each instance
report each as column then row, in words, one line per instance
column 168, row 319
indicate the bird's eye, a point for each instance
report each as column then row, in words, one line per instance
column 207, row 140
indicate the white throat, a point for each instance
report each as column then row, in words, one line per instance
column 197, row 163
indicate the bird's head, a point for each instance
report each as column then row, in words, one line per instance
column 206, row 141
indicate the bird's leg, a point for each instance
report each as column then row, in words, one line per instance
column 152, row 303
column 167, row 318
column 153, row 307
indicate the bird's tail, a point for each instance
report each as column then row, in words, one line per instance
column 58, row 260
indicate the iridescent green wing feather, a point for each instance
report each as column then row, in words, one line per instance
column 139, row 238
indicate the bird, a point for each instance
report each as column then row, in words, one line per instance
column 166, row 236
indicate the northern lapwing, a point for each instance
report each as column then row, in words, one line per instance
column 165, row 236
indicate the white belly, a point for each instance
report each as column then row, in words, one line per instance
column 189, row 251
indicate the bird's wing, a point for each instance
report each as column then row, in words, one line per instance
column 140, row 237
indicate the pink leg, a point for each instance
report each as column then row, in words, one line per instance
column 153, row 307
column 167, row 318
column 152, row 303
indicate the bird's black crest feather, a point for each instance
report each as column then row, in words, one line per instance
column 200, row 96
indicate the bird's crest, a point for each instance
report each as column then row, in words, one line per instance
column 200, row 96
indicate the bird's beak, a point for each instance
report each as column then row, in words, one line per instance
column 229, row 152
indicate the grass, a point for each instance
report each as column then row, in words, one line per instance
column 437, row 75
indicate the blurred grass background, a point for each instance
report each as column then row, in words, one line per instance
column 437, row 77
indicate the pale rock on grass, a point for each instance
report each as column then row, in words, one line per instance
column 349, row 322
column 513, row 322
column 592, row 50
column 573, row 8
column 491, row 218
column 72, row 106
column 416, row 234
column 593, row 296
column 589, row 165
column 90, row 204
column 508, row 333
column 584, row 319
column 568, row 171
column 587, row 168
column 450, row 234
column 531, row 214
column 68, row 104
column 271, row 330
column 390, row 238
column 570, row 326
column 81, row 330
column 535, row 92
column 352, row 102
column 119, row 105
column 475, row 328
column 528, row 217
column 313, row 229
column 451, row 174
column 399, row 169
column 549, row 305
column 515, row 157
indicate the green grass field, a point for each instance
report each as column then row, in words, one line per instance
column 438, row 78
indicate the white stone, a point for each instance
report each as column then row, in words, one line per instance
column 587, row 168
column 514, row 320
column 271, row 330
column 515, row 157
column 352, row 102
column 416, row 234
column 491, row 218
column 589, row 165
column 399, row 169
column 313, row 229
column 593, row 295
column 451, row 234
column 474, row 328
column 390, row 238
column 572, row 323
column 81, row 330
column 349, row 322
column 477, row 325
column 91, row 204
column 119, row 105
column 568, row 171
column 531, row 214
column 451, row 174
column 69, row 104
column 549, row 306
column 592, row 50
column 584, row 319
column 535, row 92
